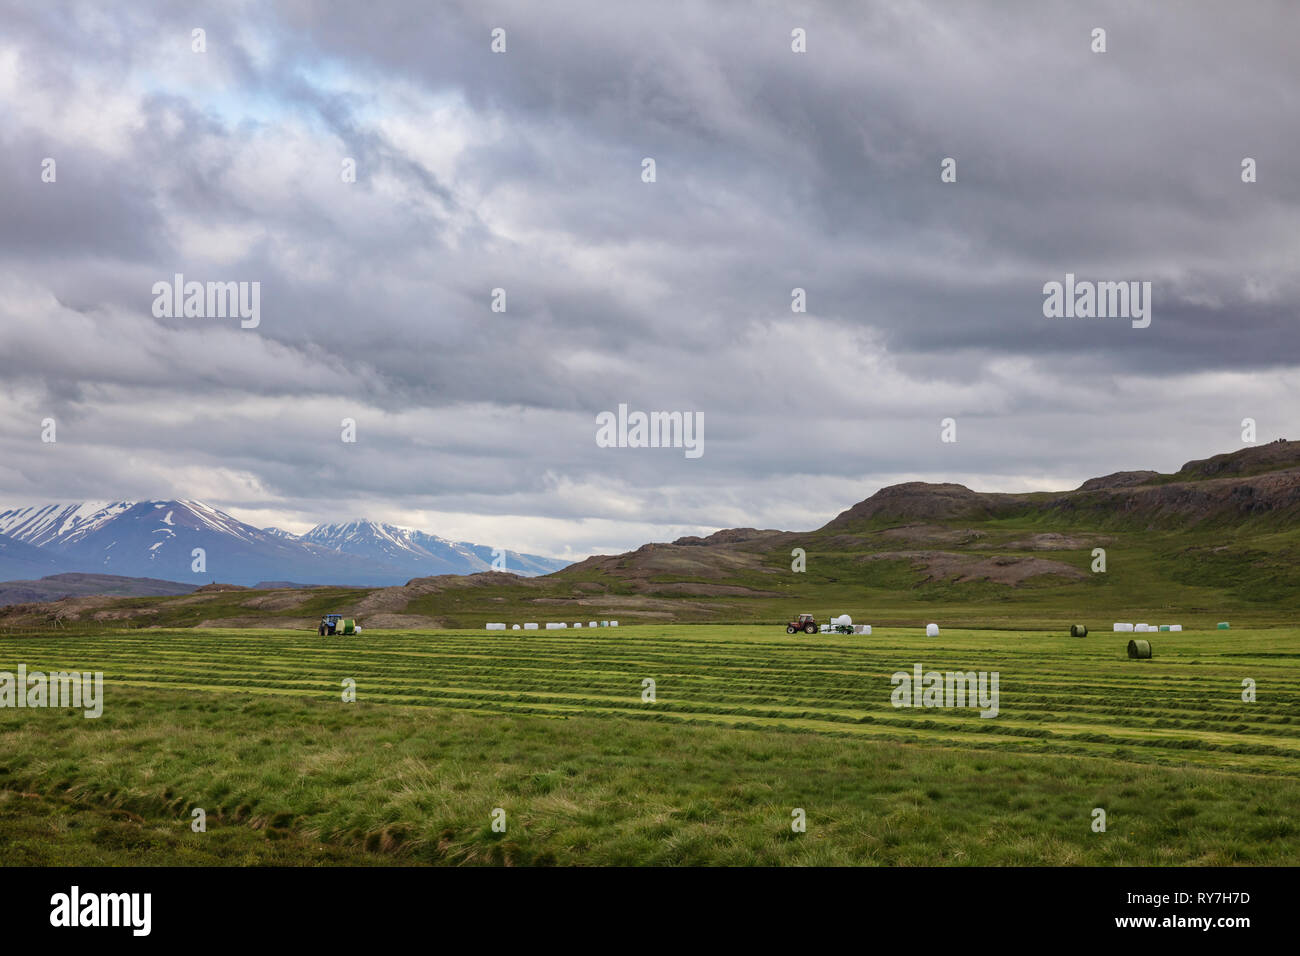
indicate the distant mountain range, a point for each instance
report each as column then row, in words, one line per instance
column 157, row 539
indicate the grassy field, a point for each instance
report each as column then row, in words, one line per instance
column 748, row 725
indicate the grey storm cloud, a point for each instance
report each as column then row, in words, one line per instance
column 522, row 171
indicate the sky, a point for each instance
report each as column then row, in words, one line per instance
column 524, row 171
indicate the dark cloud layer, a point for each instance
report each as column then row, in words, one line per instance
column 521, row 171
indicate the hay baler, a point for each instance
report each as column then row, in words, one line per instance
column 808, row 624
column 337, row 624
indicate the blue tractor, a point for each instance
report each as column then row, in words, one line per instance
column 337, row 624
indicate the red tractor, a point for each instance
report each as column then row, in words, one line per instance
column 804, row 622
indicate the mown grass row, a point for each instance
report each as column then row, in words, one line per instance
column 293, row 780
column 1078, row 693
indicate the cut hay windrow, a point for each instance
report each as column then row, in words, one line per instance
column 736, row 704
column 721, row 674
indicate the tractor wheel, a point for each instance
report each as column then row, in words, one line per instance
column 810, row 628
column 789, row 629
column 321, row 630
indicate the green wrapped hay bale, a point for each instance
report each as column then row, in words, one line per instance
column 1164, row 627
column 1139, row 650
column 1223, row 625
column 347, row 626
column 1078, row 630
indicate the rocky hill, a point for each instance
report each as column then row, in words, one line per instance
column 57, row 586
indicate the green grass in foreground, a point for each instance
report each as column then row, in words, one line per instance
column 749, row 724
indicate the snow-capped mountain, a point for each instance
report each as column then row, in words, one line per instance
column 191, row 542
column 424, row 553
column 58, row 524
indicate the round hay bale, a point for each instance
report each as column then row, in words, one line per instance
column 1078, row 630
column 932, row 630
column 349, row 625
column 1139, row 650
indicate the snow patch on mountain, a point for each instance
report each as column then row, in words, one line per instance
column 59, row 524
column 90, row 536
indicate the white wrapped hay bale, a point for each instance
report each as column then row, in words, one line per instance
column 514, row 627
column 592, row 624
column 843, row 619
column 1141, row 628
column 613, row 623
column 496, row 627
column 552, row 626
column 1175, row 627
column 1123, row 627
column 530, row 626
column 577, row 624
column 861, row 628
column 932, row 630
